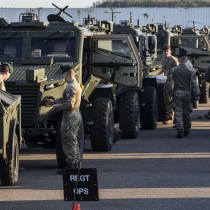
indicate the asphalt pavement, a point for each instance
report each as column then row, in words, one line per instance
column 157, row 171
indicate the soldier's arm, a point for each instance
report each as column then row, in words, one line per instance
column 194, row 85
column 161, row 71
column 176, row 62
column 169, row 81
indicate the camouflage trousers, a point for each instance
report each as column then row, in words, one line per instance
column 168, row 104
column 69, row 135
column 182, row 110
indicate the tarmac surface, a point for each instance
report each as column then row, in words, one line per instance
column 157, row 171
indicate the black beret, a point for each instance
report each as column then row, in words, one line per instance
column 65, row 68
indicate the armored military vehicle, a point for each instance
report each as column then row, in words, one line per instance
column 128, row 102
column 179, row 38
column 147, row 44
column 164, row 36
column 10, row 137
column 38, row 50
column 197, row 46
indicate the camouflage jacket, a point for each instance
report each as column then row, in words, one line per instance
column 169, row 63
column 184, row 78
column 72, row 96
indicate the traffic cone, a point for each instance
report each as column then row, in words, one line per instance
column 76, row 206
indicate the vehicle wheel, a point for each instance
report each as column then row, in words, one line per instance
column 204, row 89
column 60, row 156
column 103, row 124
column 9, row 168
column 129, row 115
column 149, row 108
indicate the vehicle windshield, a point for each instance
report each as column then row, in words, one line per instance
column 11, row 48
column 64, row 47
column 160, row 42
column 121, row 46
column 194, row 43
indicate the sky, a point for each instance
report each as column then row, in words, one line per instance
column 46, row 3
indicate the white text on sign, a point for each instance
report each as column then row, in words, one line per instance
column 81, row 191
column 82, row 178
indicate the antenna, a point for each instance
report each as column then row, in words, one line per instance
column 112, row 11
column 62, row 10
column 194, row 23
column 57, row 17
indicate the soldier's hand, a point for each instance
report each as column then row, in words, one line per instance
column 50, row 102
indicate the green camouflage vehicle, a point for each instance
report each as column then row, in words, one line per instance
column 38, row 51
column 165, row 36
column 197, row 46
column 10, row 137
column 149, row 49
column 191, row 40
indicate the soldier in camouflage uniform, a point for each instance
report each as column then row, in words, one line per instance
column 71, row 118
column 168, row 63
column 70, row 124
column 184, row 83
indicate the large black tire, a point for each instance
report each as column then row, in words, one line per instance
column 129, row 115
column 103, row 124
column 204, row 89
column 9, row 168
column 149, row 108
column 162, row 111
column 61, row 157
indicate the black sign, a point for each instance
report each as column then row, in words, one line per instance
column 80, row 185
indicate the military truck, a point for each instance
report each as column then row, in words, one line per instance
column 10, row 137
column 38, row 50
column 164, row 36
column 170, row 36
column 197, row 46
column 130, row 103
column 150, row 50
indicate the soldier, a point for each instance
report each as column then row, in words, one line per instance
column 184, row 83
column 5, row 70
column 168, row 63
column 71, row 118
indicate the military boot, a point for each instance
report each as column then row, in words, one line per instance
column 180, row 134
column 186, row 132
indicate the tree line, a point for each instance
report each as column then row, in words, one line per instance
column 154, row 3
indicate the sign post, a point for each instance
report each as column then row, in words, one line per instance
column 80, row 184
